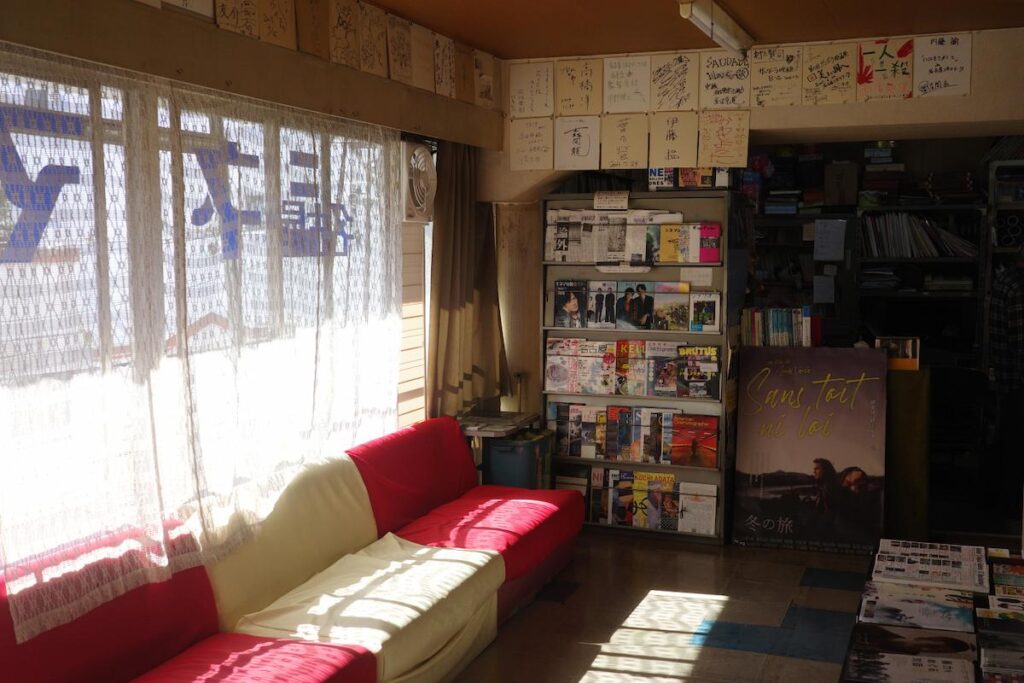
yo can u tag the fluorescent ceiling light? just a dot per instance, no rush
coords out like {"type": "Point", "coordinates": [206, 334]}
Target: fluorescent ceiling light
{"type": "Point", "coordinates": [716, 24]}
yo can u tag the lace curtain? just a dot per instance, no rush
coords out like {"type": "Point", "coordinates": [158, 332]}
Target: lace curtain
{"type": "Point", "coordinates": [198, 295]}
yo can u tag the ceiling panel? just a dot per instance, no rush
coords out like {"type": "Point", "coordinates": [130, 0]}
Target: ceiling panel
{"type": "Point", "coordinates": [558, 28]}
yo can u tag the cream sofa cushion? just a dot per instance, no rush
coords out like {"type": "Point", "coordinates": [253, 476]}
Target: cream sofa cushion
{"type": "Point", "coordinates": [403, 601]}
{"type": "Point", "coordinates": [323, 514]}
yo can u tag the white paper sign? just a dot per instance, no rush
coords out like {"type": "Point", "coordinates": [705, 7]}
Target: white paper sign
{"type": "Point", "coordinates": [578, 143]}
{"type": "Point", "coordinates": [673, 139]}
{"type": "Point", "coordinates": [675, 81]}
{"type": "Point", "coordinates": [724, 81]}
{"type": "Point", "coordinates": [942, 65]}
{"type": "Point", "coordinates": [444, 65]}
{"type": "Point", "coordinates": [422, 57]}
{"type": "Point", "coordinates": [611, 200]}
{"type": "Point", "coordinates": [579, 84]}
{"type": "Point", "coordinates": [530, 144]}
{"type": "Point", "coordinates": [530, 89]}
{"type": "Point", "coordinates": [775, 76]}
{"type": "Point", "coordinates": [627, 84]}
{"type": "Point", "coordinates": [624, 141]}
{"type": "Point", "coordinates": [830, 74]}
{"type": "Point", "coordinates": [723, 137]}
{"type": "Point", "coordinates": [829, 238]}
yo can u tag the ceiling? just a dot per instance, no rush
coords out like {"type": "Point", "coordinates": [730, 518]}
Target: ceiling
{"type": "Point", "coordinates": [556, 28]}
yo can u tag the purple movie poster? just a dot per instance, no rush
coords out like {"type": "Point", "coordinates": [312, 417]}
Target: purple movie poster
{"type": "Point", "coordinates": [810, 458]}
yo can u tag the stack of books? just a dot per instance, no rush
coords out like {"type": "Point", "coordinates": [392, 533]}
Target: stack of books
{"type": "Point", "coordinates": [1001, 620]}
{"type": "Point", "coordinates": [779, 327]}
{"type": "Point", "coordinates": [884, 179]}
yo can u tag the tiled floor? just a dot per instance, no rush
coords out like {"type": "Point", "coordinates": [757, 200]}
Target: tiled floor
{"type": "Point", "coordinates": [651, 611]}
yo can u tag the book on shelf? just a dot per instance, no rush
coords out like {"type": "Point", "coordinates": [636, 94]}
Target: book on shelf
{"type": "Point", "coordinates": [698, 369]}
{"type": "Point", "coordinates": [661, 359]}
{"type": "Point", "coordinates": [914, 641]}
{"type": "Point", "coordinates": [705, 312]}
{"type": "Point", "coordinates": [570, 304]}
{"type": "Point", "coordinates": [671, 306]}
{"type": "Point", "coordinates": [777, 326]}
{"type": "Point", "coordinates": [917, 606]}
{"type": "Point", "coordinates": [698, 508]}
{"type": "Point", "coordinates": [618, 433]}
{"type": "Point", "coordinates": [865, 666]}
{"type": "Point", "coordinates": [601, 304]}
{"type": "Point", "coordinates": [903, 235]}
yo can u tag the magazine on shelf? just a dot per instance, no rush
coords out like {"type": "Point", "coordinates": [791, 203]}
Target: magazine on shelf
{"type": "Point", "coordinates": [652, 247]}
{"type": "Point", "coordinates": [556, 237]}
{"type": "Point", "coordinates": [661, 431]}
{"type": "Point", "coordinates": [561, 374]}
{"type": "Point", "coordinates": [575, 429]}
{"type": "Point", "coordinates": [630, 367]}
{"type": "Point", "coordinates": [569, 304]}
{"type": "Point", "coordinates": [1008, 662]}
{"type": "Point", "coordinates": [695, 440]}
{"type": "Point", "coordinates": [864, 666]}
{"type": "Point", "coordinates": [914, 641]}
{"type": "Point", "coordinates": [636, 244]}
{"type": "Point", "coordinates": [1006, 590]}
{"type": "Point", "coordinates": [610, 244]}
{"type": "Point", "coordinates": [588, 431]}
{"type": "Point", "coordinates": [619, 433]}
{"type": "Point", "coordinates": [698, 372]}
{"type": "Point", "coordinates": [669, 510]}
{"type": "Point", "coordinates": [620, 508]}
{"type": "Point", "coordinates": [705, 312]}
{"type": "Point", "coordinates": [1008, 574]}
{"type": "Point", "coordinates": [601, 296]}
{"type": "Point", "coordinates": [641, 433]}
{"type": "Point", "coordinates": [698, 505]}
{"type": "Point", "coordinates": [596, 375]}
{"type": "Point", "coordinates": [710, 249]}
{"type": "Point", "coordinates": [647, 492]}
{"type": "Point", "coordinates": [917, 606]}
{"type": "Point", "coordinates": [562, 346]}
{"type": "Point", "coordinates": [634, 305]}
{"type": "Point", "coordinates": [671, 306]}
{"type": "Point", "coordinates": [661, 367]}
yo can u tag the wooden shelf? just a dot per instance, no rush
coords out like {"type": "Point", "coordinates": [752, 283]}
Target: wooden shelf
{"type": "Point", "coordinates": [916, 296]}
{"type": "Point", "coordinates": [923, 261]}
{"type": "Point", "coordinates": [798, 245]}
{"type": "Point", "coordinates": [569, 459]}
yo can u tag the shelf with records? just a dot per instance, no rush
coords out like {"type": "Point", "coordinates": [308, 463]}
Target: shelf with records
{"type": "Point", "coordinates": [635, 346]}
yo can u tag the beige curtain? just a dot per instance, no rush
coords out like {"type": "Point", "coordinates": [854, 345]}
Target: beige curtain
{"type": "Point", "coordinates": [466, 364]}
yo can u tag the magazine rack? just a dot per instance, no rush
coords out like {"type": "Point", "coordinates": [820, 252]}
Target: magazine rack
{"type": "Point", "coordinates": [696, 206]}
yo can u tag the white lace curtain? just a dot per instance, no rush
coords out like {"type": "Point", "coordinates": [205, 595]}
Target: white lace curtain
{"type": "Point", "coordinates": [198, 295]}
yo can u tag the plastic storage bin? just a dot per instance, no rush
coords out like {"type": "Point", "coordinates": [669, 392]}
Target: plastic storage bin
{"type": "Point", "coordinates": [522, 460]}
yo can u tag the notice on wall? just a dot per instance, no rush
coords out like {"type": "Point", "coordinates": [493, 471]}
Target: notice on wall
{"type": "Point", "coordinates": [579, 87]}
{"type": "Point", "coordinates": [203, 7]}
{"type": "Point", "coordinates": [444, 65]}
{"type": "Point", "coordinates": [578, 143]}
{"type": "Point", "coordinates": [465, 80]}
{"type": "Point", "coordinates": [775, 76]}
{"type": "Point", "coordinates": [829, 239]}
{"type": "Point", "coordinates": [530, 89]}
{"type": "Point", "coordinates": [239, 16]}
{"type": "Point", "coordinates": [373, 40]}
{"type": "Point", "coordinates": [530, 144]}
{"type": "Point", "coordinates": [942, 65]}
{"type": "Point", "coordinates": [885, 69]}
{"type": "Point", "coordinates": [723, 138]}
{"type": "Point", "coordinates": [673, 139]}
{"type": "Point", "coordinates": [627, 84]}
{"type": "Point", "coordinates": [675, 81]}
{"type": "Point", "coordinates": [724, 81]}
{"type": "Point", "coordinates": [422, 57]}
{"type": "Point", "coordinates": [483, 79]}
{"type": "Point", "coordinates": [810, 448]}
{"type": "Point", "coordinates": [624, 141]}
{"type": "Point", "coordinates": [829, 74]}
{"type": "Point", "coordinates": [400, 49]}
{"type": "Point", "coordinates": [344, 34]}
{"type": "Point", "coordinates": [277, 22]}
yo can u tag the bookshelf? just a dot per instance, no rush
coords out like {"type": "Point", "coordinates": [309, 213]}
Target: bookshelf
{"type": "Point", "coordinates": [1005, 232]}
{"type": "Point", "coordinates": [904, 290]}
{"type": "Point", "coordinates": [696, 206]}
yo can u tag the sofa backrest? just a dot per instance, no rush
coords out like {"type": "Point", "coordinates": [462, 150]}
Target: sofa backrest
{"type": "Point", "coordinates": [412, 471]}
{"type": "Point", "coordinates": [323, 514]}
{"type": "Point", "coordinates": [118, 640]}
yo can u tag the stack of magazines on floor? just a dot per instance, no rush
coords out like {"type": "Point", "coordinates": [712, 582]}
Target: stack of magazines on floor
{"type": "Point", "coordinates": [917, 617]}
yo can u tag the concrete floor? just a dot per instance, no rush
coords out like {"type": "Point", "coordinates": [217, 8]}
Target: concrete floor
{"type": "Point", "coordinates": [635, 608]}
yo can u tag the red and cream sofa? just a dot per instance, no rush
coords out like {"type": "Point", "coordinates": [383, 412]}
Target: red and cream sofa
{"type": "Point", "coordinates": [388, 564]}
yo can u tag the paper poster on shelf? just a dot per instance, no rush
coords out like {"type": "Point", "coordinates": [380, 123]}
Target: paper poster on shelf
{"type": "Point", "coordinates": [530, 144]}
{"type": "Point", "coordinates": [723, 138]}
{"type": "Point", "coordinates": [579, 84]}
{"type": "Point", "coordinates": [627, 84]}
{"type": "Point", "coordinates": [673, 139]}
{"type": "Point", "coordinates": [675, 81]}
{"type": "Point", "coordinates": [775, 76]}
{"type": "Point", "coordinates": [942, 65]}
{"type": "Point", "coordinates": [400, 49]}
{"type": "Point", "coordinates": [344, 34]}
{"type": "Point", "coordinates": [829, 239]}
{"type": "Point", "coordinates": [824, 289]}
{"type": "Point", "coordinates": [810, 448]}
{"type": "Point", "coordinates": [530, 89]}
{"type": "Point", "coordinates": [724, 81]}
{"type": "Point", "coordinates": [373, 40]}
{"type": "Point", "coordinates": [422, 40]}
{"type": "Point", "coordinates": [885, 69]}
{"type": "Point", "coordinates": [829, 74]}
{"type": "Point", "coordinates": [624, 141]}
{"type": "Point", "coordinates": [444, 65]}
{"type": "Point", "coordinates": [578, 143]}
{"type": "Point", "coordinates": [483, 79]}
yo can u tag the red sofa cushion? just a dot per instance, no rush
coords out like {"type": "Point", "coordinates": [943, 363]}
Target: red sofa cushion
{"type": "Point", "coordinates": [412, 471]}
{"type": "Point", "coordinates": [119, 639]}
{"type": "Point", "coordinates": [524, 525]}
{"type": "Point", "coordinates": [239, 658]}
